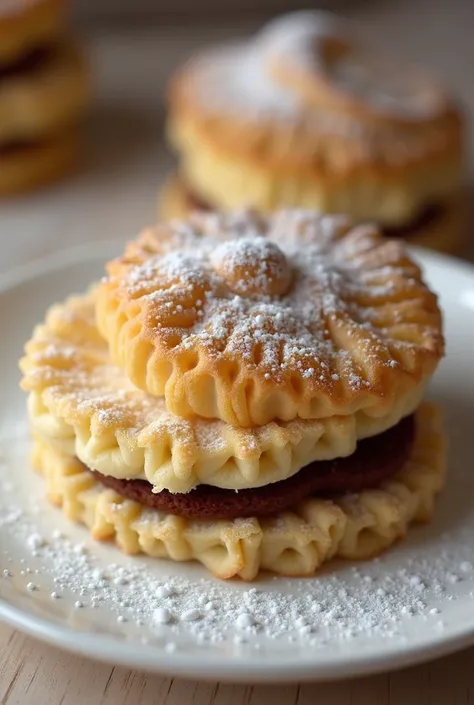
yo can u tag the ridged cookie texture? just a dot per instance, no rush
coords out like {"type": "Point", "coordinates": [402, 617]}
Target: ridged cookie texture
{"type": "Point", "coordinates": [293, 543]}
{"type": "Point", "coordinates": [82, 404]}
{"type": "Point", "coordinates": [251, 318]}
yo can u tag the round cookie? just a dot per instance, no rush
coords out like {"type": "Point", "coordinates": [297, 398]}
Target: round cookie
{"type": "Point", "coordinates": [307, 114]}
{"type": "Point", "coordinates": [47, 94]}
{"type": "Point", "coordinates": [84, 405]}
{"type": "Point", "coordinates": [291, 543]}
{"type": "Point", "coordinates": [26, 167]}
{"type": "Point", "coordinates": [27, 24]}
{"type": "Point", "coordinates": [250, 318]}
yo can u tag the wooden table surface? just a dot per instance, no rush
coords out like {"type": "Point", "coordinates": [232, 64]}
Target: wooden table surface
{"type": "Point", "coordinates": [33, 674]}
{"type": "Point", "coordinates": [124, 161]}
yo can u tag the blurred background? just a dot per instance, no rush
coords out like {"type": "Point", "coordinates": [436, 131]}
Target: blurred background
{"type": "Point", "coordinates": [133, 45]}
{"type": "Point", "coordinates": [187, 10]}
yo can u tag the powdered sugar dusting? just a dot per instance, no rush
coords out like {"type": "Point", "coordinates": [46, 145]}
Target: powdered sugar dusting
{"type": "Point", "coordinates": [252, 265]}
{"type": "Point", "coordinates": [276, 294]}
{"type": "Point", "coordinates": [304, 40]}
{"type": "Point", "coordinates": [117, 420]}
{"type": "Point", "coordinates": [362, 602]}
{"type": "Point", "coordinates": [243, 81]}
{"type": "Point", "coordinates": [171, 606]}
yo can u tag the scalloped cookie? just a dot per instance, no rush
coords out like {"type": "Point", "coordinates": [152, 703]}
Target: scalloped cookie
{"type": "Point", "coordinates": [250, 318]}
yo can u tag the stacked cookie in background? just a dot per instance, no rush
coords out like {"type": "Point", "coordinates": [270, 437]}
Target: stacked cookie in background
{"type": "Point", "coordinates": [44, 89]}
{"type": "Point", "coordinates": [308, 114]}
{"type": "Point", "coordinates": [246, 391]}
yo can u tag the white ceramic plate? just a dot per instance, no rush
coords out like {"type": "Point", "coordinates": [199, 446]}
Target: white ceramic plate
{"type": "Point", "coordinates": [415, 603]}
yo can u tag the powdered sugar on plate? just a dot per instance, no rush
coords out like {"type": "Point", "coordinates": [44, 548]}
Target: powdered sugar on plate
{"type": "Point", "coordinates": [353, 602]}
{"type": "Point", "coordinates": [432, 553]}
{"type": "Point", "coordinates": [50, 567]}
{"type": "Point", "coordinates": [175, 607]}
{"type": "Point", "coordinates": [283, 296]}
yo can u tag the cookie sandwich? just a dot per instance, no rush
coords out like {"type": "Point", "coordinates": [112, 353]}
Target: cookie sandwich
{"type": "Point", "coordinates": [245, 390]}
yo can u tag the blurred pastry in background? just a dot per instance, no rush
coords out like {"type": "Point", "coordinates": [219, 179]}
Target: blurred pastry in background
{"type": "Point", "coordinates": [28, 24]}
{"type": "Point", "coordinates": [24, 167]}
{"type": "Point", "coordinates": [44, 90]}
{"type": "Point", "coordinates": [307, 114]}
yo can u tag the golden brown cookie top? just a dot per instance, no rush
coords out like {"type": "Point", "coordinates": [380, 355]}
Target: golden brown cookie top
{"type": "Point", "coordinates": [326, 62]}
{"type": "Point", "coordinates": [314, 59]}
{"type": "Point", "coordinates": [251, 318]}
{"type": "Point", "coordinates": [308, 88]}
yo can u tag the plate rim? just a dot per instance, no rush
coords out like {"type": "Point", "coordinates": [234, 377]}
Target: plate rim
{"type": "Point", "coordinates": [115, 651]}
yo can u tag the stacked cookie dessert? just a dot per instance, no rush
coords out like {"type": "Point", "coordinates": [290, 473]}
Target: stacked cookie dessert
{"type": "Point", "coordinates": [308, 114]}
{"type": "Point", "coordinates": [245, 390]}
{"type": "Point", "coordinates": [44, 88]}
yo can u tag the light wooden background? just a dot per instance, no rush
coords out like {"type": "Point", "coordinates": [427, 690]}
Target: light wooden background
{"type": "Point", "coordinates": [119, 178]}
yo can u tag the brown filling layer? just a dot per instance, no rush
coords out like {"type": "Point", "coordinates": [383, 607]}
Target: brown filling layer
{"type": "Point", "coordinates": [32, 61]}
{"type": "Point", "coordinates": [424, 219]}
{"type": "Point", "coordinates": [375, 459]}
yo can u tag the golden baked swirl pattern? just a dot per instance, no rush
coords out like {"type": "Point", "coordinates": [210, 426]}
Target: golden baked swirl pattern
{"type": "Point", "coordinates": [249, 318]}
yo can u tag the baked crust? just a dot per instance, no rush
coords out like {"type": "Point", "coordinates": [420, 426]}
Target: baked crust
{"type": "Point", "coordinates": [293, 543]}
{"type": "Point", "coordinates": [250, 318]}
{"type": "Point", "coordinates": [286, 119]}
{"type": "Point", "coordinates": [81, 404]}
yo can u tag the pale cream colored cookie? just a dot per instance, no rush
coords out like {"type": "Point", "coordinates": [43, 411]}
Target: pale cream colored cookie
{"type": "Point", "coordinates": [293, 543]}
{"type": "Point", "coordinates": [81, 404]}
